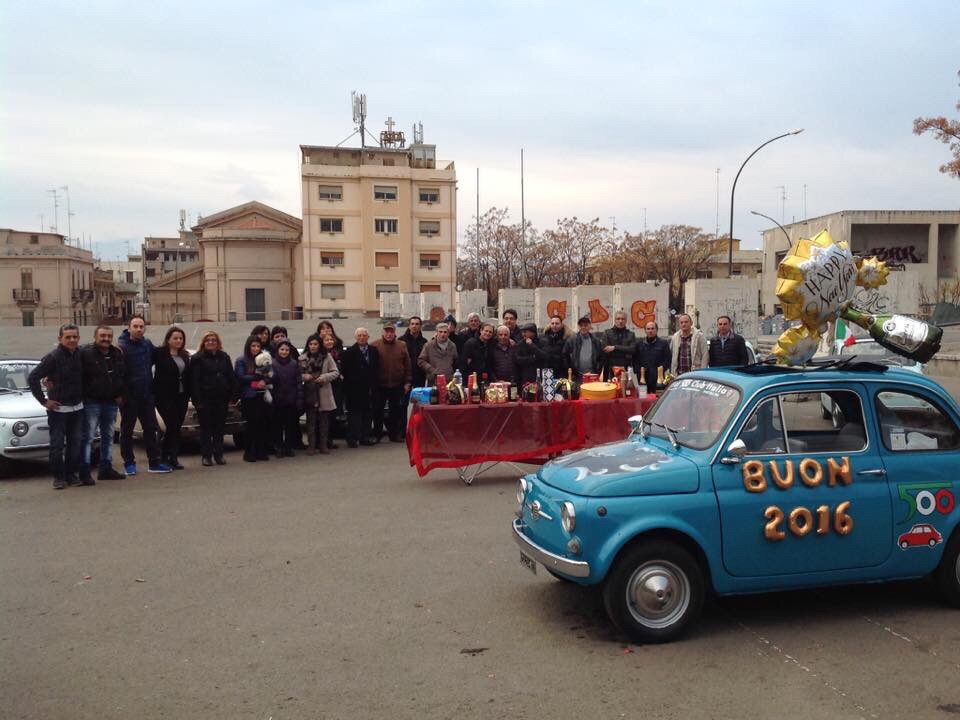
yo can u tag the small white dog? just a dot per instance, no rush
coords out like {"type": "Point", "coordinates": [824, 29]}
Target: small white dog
{"type": "Point", "coordinates": [264, 365]}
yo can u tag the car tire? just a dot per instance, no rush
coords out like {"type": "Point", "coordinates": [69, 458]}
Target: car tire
{"type": "Point", "coordinates": [654, 591]}
{"type": "Point", "coordinates": [948, 572]}
{"type": "Point", "coordinates": [932, 543]}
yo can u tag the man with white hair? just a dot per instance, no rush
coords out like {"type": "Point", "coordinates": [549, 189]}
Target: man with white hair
{"type": "Point", "coordinates": [472, 329]}
{"type": "Point", "coordinates": [360, 369]}
{"type": "Point", "coordinates": [439, 356]}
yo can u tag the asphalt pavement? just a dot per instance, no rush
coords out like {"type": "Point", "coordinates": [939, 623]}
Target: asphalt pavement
{"type": "Point", "coordinates": [348, 587]}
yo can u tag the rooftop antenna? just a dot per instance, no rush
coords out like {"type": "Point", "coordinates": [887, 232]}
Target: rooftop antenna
{"type": "Point", "coordinates": [66, 190]}
{"type": "Point", "coordinates": [56, 214]}
{"type": "Point", "coordinates": [359, 101]}
{"type": "Point", "coordinates": [183, 220]}
{"type": "Point", "coordinates": [418, 133]}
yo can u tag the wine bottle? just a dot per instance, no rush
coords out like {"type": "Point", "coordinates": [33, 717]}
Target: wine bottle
{"type": "Point", "coordinates": [914, 339]}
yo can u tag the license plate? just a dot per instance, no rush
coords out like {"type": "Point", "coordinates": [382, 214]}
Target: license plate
{"type": "Point", "coordinates": [529, 563]}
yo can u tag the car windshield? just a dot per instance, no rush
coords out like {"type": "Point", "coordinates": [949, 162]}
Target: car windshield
{"type": "Point", "coordinates": [876, 352]}
{"type": "Point", "coordinates": [695, 410]}
{"type": "Point", "coordinates": [13, 375]}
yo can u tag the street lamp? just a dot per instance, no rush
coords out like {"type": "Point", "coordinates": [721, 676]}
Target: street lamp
{"type": "Point", "coordinates": [176, 284]}
{"type": "Point", "coordinates": [734, 190]}
{"type": "Point", "coordinates": [785, 233]}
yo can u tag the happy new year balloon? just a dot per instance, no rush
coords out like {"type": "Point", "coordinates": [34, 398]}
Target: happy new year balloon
{"type": "Point", "coordinates": [815, 279]}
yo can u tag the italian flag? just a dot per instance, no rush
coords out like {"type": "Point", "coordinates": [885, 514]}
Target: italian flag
{"type": "Point", "coordinates": [843, 333]}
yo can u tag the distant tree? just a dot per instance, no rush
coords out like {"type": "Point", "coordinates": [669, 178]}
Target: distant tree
{"type": "Point", "coordinates": [947, 132]}
{"type": "Point", "coordinates": [671, 254]}
{"type": "Point", "coordinates": [574, 245]}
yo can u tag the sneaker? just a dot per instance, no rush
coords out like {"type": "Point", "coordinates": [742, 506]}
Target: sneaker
{"type": "Point", "coordinates": [159, 467]}
{"type": "Point", "coordinates": [130, 469]}
{"type": "Point", "coordinates": [87, 480]}
{"type": "Point", "coordinates": [59, 484]}
{"type": "Point", "coordinates": [73, 481]}
{"type": "Point", "coordinates": [109, 474]}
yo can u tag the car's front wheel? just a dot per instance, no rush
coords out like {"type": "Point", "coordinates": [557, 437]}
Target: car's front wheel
{"type": "Point", "coordinates": [654, 591]}
{"type": "Point", "coordinates": [948, 573]}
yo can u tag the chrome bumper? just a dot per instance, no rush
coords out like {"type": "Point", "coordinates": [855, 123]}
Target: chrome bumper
{"type": "Point", "coordinates": [565, 566]}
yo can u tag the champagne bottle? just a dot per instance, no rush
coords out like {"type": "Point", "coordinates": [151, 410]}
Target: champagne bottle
{"type": "Point", "coordinates": [903, 335]}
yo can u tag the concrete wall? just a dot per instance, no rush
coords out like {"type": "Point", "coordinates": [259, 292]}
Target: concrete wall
{"type": "Point", "coordinates": [390, 305]}
{"type": "Point", "coordinates": [640, 301]}
{"type": "Point", "coordinates": [518, 299]}
{"type": "Point", "coordinates": [550, 300]}
{"type": "Point", "coordinates": [434, 306]}
{"type": "Point", "coordinates": [598, 302]}
{"type": "Point", "coordinates": [901, 294]}
{"type": "Point", "coordinates": [706, 300]}
{"type": "Point", "coordinates": [409, 304]}
{"type": "Point", "coordinates": [470, 301]}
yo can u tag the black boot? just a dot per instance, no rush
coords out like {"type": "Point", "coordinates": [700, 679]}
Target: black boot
{"type": "Point", "coordinates": [219, 460]}
{"type": "Point", "coordinates": [173, 462]}
{"type": "Point", "coordinates": [206, 462]}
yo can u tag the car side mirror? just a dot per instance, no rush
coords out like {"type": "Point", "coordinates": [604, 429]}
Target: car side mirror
{"type": "Point", "coordinates": [636, 424]}
{"type": "Point", "coordinates": [735, 450]}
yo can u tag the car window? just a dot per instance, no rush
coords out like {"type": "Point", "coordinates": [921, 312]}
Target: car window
{"type": "Point", "coordinates": [13, 376]}
{"type": "Point", "coordinates": [822, 422]}
{"type": "Point", "coordinates": [763, 431]}
{"type": "Point", "coordinates": [909, 422]}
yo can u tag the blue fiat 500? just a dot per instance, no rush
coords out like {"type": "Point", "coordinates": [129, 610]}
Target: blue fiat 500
{"type": "Point", "coordinates": [737, 481]}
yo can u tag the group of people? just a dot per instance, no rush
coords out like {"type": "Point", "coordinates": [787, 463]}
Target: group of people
{"type": "Point", "coordinates": [368, 383]}
{"type": "Point", "coordinates": [513, 353]}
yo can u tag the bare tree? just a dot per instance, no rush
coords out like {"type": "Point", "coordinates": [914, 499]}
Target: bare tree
{"type": "Point", "coordinates": [947, 132]}
{"type": "Point", "coordinates": [673, 254]}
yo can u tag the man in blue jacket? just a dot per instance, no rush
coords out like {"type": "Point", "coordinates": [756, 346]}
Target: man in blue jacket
{"type": "Point", "coordinates": [138, 402]}
{"type": "Point", "coordinates": [61, 372]}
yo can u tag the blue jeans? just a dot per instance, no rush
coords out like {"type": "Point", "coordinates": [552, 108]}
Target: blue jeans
{"type": "Point", "coordinates": [66, 443]}
{"type": "Point", "coordinates": [102, 416]}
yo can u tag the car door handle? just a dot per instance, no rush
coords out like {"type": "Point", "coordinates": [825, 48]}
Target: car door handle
{"type": "Point", "coordinates": [879, 472]}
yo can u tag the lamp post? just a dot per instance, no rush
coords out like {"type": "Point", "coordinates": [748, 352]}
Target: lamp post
{"type": "Point", "coordinates": [785, 233]}
{"type": "Point", "coordinates": [734, 190]}
{"type": "Point", "coordinates": [176, 285]}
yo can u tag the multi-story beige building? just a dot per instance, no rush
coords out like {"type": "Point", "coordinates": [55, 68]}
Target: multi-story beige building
{"type": "Point", "coordinates": [44, 280]}
{"type": "Point", "coordinates": [746, 263]}
{"type": "Point", "coordinates": [127, 282]}
{"type": "Point", "coordinates": [248, 269]}
{"type": "Point", "coordinates": [162, 255]}
{"type": "Point", "coordinates": [375, 220]}
{"type": "Point", "coordinates": [925, 241]}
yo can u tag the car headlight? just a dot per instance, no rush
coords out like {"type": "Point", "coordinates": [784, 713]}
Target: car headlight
{"type": "Point", "coordinates": [20, 428]}
{"type": "Point", "coordinates": [522, 490]}
{"type": "Point", "coordinates": [568, 516]}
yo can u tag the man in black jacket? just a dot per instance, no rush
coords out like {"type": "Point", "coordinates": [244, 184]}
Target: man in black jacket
{"type": "Point", "coordinates": [61, 372]}
{"type": "Point", "coordinates": [361, 365]}
{"type": "Point", "coordinates": [618, 344]}
{"type": "Point", "coordinates": [727, 348]}
{"type": "Point", "coordinates": [529, 355]}
{"type": "Point", "coordinates": [552, 343]}
{"type": "Point", "coordinates": [475, 356]}
{"type": "Point", "coordinates": [651, 354]}
{"type": "Point", "coordinates": [414, 340]}
{"type": "Point", "coordinates": [103, 378]}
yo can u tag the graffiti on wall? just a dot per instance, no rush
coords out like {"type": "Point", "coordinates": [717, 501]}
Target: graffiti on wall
{"type": "Point", "coordinates": [900, 254]}
{"type": "Point", "coordinates": [557, 307]}
{"type": "Point", "coordinates": [598, 313]}
{"type": "Point", "coordinates": [642, 312]}
{"type": "Point", "coordinates": [437, 313]}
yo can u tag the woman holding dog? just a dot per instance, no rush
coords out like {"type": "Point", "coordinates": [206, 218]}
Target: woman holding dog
{"type": "Point", "coordinates": [253, 407]}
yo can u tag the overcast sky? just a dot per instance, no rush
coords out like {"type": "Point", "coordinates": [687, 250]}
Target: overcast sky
{"type": "Point", "coordinates": [624, 110]}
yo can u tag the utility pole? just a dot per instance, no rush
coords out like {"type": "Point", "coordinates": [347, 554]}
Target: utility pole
{"type": "Point", "coordinates": [805, 216]}
{"type": "Point", "coordinates": [716, 232]}
{"type": "Point", "coordinates": [523, 219]}
{"type": "Point", "coordinates": [477, 283]}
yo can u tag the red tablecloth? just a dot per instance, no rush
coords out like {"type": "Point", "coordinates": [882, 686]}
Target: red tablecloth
{"type": "Point", "coordinates": [452, 436]}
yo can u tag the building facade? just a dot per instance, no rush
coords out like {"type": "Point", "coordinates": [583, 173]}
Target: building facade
{"type": "Point", "coordinates": [926, 242]}
{"type": "Point", "coordinates": [44, 280]}
{"type": "Point", "coordinates": [248, 269]}
{"type": "Point", "coordinates": [162, 255]}
{"type": "Point", "coordinates": [375, 220]}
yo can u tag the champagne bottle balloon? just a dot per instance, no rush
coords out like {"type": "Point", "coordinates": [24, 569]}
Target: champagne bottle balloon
{"type": "Point", "coordinates": [914, 339]}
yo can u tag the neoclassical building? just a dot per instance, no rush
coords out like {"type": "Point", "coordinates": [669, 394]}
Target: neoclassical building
{"type": "Point", "coordinates": [248, 269]}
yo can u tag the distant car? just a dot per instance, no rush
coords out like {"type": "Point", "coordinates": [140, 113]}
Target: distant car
{"type": "Point", "coordinates": [920, 536]}
{"type": "Point", "coordinates": [24, 433]}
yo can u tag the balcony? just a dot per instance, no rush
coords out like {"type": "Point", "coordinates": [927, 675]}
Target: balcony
{"type": "Point", "coordinates": [82, 295]}
{"type": "Point", "coordinates": [26, 296]}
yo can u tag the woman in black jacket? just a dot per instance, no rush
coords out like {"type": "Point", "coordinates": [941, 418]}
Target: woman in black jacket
{"type": "Point", "coordinates": [213, 384]}
{"type": "Point", "coordinates": [171, 388]}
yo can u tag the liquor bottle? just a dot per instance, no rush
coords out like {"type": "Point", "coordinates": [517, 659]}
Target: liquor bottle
{"type": "Point", "coordinates": [903, 335]}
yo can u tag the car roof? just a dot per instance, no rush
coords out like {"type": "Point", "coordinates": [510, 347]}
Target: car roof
{"type": "Point", "coordinates": [753, 377]}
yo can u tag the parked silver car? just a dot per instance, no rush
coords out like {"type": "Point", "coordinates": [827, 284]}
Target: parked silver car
{"type": "Point", "coordinates": [24, 433]}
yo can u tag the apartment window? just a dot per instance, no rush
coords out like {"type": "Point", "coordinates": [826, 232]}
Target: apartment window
{"type": "Point", "coordinates": [385, 225]}
{"type": "Point", "coordinates": [429, 195]}
{"type": "Point", "coordinates": [151, 272]}
{"type": "Point", "coordinates": [26, 280]}
{"type": "Point", "coordinates": [704, 274]}
{"type": "Point", "coordinates": [130, 277]}
{"type": "Point", "coordinates": [429, 260]}
{"type": "Point", "coordinates": [163, 243]}
{"type": "Point", "coordinates": [34, 240]}
{"type": "Point", "coordinates": [388, 162]}
{"type": "Point", "coordinates": [333, 291]}
{"type": "Point", "coordinates": [429, 227]}
{"type": "Point", "coordinates": [384, 192]}
{"type": "Point", "coordinates": [386, 259]}
{"type": "Point", "coordinates": [331, 258]}
{"type": "Point", "coordinates": [27, 318]}
{"type": "Point", "coordinates": [331, 225]}
{"type": "Point", "coordinates": [331, 192]}
{"type": "Point", "coordinates": [429, 287]}
{"type": "Point", "coordinates": [384, 288]}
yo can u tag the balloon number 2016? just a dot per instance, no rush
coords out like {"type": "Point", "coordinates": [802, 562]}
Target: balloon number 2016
{"type": "Point", "coordinates": [802, 521]}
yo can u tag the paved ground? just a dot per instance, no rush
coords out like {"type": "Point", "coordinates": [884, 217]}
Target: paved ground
{"type": "Point", "coordinates": [350, 588]}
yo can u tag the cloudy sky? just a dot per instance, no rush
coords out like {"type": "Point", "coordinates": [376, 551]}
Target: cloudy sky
{"type": "Point", "coordinates": [624, 109]}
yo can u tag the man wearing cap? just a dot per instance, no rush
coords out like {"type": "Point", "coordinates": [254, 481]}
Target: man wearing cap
{"type": "Point", "coordinates": [455, 337]}
{"type": "Point", "coordinates": [393, 383]}
{"type": "Point", "coordinates": [529, 355]}
{"type": "Point", "coordinates": [583, 352]}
